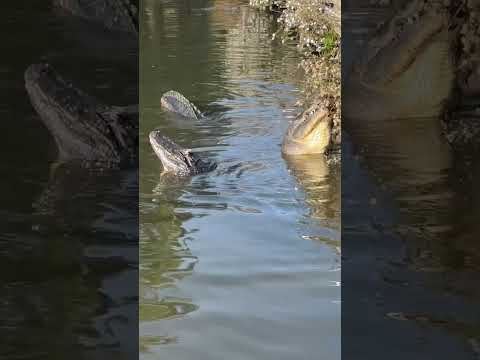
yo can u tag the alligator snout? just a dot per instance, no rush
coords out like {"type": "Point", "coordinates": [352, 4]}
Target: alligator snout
{"type": "Point", "coordinates": [175, 159]}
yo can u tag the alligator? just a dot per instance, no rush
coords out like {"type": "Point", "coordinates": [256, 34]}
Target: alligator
{"type": "Point", "coordinates": [314, 132]}
{"type": "Point", "coordinates": [175, 102]}
{"type": "Point", "coordinates": [412, 67]}
{"type": "Point", "coordinates": [406, 69]}
{"type": "Point", "coordinates": [83, 128]}
{"type": "Point", "coordinates": [177, 160]}
{"type": "Point", "coordinates": [113, 14]}
{"type": "Point", "coordinates": [87, 133]}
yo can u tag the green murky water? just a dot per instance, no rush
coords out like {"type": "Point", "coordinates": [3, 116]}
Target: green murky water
{"type": "Point", "coordinates": [68, 237]}
{"type": "Point", "coordinates": [410, 254]}
{"type": "Point", "coordinates": [242, 262]}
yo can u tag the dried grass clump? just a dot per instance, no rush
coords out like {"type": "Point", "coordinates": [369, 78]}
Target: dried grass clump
{"type": "Point", "coordinates": [269, 5]}
{"type": "Point", "coordinates": [313, 23]}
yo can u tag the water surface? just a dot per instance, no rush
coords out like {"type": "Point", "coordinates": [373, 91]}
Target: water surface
{"type": "Point", "coordinates": [68, 234]}
{"type": "Point", "coordinates": [241, 262]}
{"type": "Point", "coordinates": [409, 232]}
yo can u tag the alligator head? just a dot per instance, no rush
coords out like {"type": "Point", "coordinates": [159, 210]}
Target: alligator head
{"type": "Point", "coordinates": [83, 128]}
{"type": "Point", "coordinates": [175, 159]}
{"type": "Point", "coordinates": [114, 14]}
{"type": "Point", "coordinates": [312, 133]}
{"type": "Point", "coordinates": [177, 103]}
{"type": "Point", "coordinates": [407, 68]}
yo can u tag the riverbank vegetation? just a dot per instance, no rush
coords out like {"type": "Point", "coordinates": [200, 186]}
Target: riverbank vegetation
{"type": "Point", "coordinates": [315, 26]}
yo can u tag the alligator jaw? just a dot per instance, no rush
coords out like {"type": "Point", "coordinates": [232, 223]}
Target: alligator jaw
{"type": "Point", "coordinates": [309, 134]}
{"type": "Point", "coordinates": [83, 128]}
{"type": "Point", "coordinates": [175, 159]}
{"type": "Point", "coordinates": [404, 73]}
{"type": "Point", "coordinates": [385, 68]}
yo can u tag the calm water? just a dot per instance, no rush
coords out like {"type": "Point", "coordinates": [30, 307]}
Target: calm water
{"type": "Point", "coordinates": [410, 234]}
{"type": "Point", "coordinates": [243, 262]}
{"type": "Point", "coordinates": [68, 237]}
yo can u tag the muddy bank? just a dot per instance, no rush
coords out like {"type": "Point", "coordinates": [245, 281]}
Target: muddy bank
{"type": "Point", "coordinates": [315, 25]}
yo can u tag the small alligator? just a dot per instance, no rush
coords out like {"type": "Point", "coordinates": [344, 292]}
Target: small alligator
{"type": "Point", "coordinates": [177, 103]}
{"type": "Point", "coordinates": [175, 159]}
{"type": "Point", "coordinates": [83, 128]}
{"type": "Point", "coordinates": [114, 14]}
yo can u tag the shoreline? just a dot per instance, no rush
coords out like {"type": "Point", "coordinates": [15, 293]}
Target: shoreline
{"type": "Point", "coordinates": [315, 26]}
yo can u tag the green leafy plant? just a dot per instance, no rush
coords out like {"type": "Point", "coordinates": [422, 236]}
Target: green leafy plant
{"type": "Point", "coordinates": [330, 43]}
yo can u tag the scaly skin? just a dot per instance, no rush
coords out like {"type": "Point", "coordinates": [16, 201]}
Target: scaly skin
{"type": "Point", "coordinates": [407, 68]}
{"type": "Point", "coordinates": [83, 128]}
{"type": "Point", "coordinates": [113, 14]}
{"type": "Point", "coordinates": [423, 62]}
{"type": "Point", "coordinates": [312, 132]}
{"type": "Point", "coordinates": [175, 102]}
{"type": "Point", "coordinates": [175, 159]}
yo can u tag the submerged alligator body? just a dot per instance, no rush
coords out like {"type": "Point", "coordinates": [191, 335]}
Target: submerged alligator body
{"type": "Point", "coordinates": [83, 128]}
{"type": "Point", "coordinates": [175, 102]}
{"type": "Point", "coordinates": [175, 159]}
{"type": "Point", "coordinates": [113, 14]}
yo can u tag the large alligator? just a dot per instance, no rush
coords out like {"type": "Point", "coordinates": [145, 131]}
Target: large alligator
{"type": "Point", "coordinates": [405, 70]}
{"type": "Point", "coordinates": [314, 132]}
{"type": "Point", "coordinates": [83, 128]}
{"type": "Point", "coordinates": [113, 14]}
{"type": "Point", "coordinates": [419, 63]}
{"type": "Point", "coordinates": [78, 198]}
{"type": "Point", "coordinates": [175, 159]}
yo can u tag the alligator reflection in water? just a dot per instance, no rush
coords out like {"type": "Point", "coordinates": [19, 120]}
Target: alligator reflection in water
{"type": "Point", "coordinates": [416, 214]}
{"type": "Point", "coordinates": [85, 239]}
{"type": "Point", "coordinates": [427, 248]}
{"type": "Point", "coordinates": [161, 270]}
{"type": "Point", "coordinates": [71, 269]}
{"type": "Point", "coordinates": [320, 180]}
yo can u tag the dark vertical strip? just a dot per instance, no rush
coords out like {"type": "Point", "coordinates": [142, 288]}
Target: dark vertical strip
{"type": "Point", "coordinates": [69, 224]}
{"type": "Point", "coordinates": [410, 208]}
